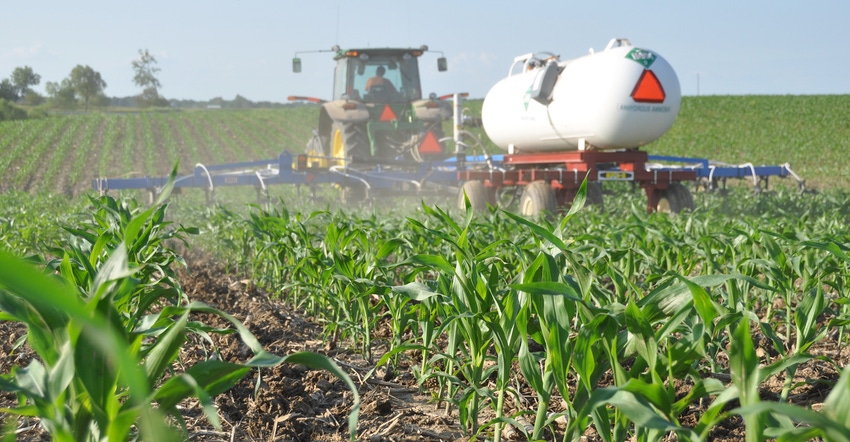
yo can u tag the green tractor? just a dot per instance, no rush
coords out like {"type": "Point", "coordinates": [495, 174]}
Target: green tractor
{"type": "Point", "coordinates": [378, 114]}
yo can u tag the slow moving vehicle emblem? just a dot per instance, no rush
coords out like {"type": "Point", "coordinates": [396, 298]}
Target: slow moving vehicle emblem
{"type": "Point", "coordinates": [648, 89]}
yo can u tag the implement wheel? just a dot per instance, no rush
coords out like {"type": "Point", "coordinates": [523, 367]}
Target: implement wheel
{"type": "Point", "coordinates": [477, 195]}
{"type": "Point", "coordinates": [675, 199]}
{"type": "Point", "coordinates": [537, 197]}
{"type": "Point", "coordinates": [349, 142]}
{"type": "Point", "coordinates": [353, 194]}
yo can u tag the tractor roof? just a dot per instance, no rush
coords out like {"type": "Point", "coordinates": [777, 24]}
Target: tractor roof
{"type": "Point", "coordinates": [356, 52]}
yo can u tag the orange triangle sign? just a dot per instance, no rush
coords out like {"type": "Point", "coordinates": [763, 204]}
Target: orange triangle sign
{"type": "Point", "coordinates": [430, 145]}
{"type": "Point", "coordinates": [387, 114]}
{"type": "Point", "coordinates": [648, 89]}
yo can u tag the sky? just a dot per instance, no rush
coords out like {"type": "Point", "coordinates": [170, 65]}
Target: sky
{"type": "Point", "coordinates": [216, 48]}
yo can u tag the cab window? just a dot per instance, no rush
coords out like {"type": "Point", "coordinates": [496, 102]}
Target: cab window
{"type": "Point", "coordinates": [402, 74]}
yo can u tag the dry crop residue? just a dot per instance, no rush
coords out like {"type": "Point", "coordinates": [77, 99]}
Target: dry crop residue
{"type": "Point", "coordinates": [295, 403]}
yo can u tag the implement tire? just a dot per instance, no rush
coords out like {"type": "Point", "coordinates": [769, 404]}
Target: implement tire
{"type": "Point", "coordinates": [675, 199]}
{"type": "Point", "coordinates": [477, 195]}
{"type": "Point", "coordinates": [537, 198]}
{"type": "Point", "coordinates": [354, 194]}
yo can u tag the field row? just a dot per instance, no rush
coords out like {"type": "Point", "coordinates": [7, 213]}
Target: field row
{"type": "Point", "coordinates": [731, 319]}
{"type": "Point", "coordinates": [62, 154]}
{"type": "Point", "coordinates": [727, 321]}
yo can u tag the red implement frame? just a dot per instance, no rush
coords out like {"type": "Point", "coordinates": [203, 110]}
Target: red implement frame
{"type": "Point", "coordinates": [565, 171]}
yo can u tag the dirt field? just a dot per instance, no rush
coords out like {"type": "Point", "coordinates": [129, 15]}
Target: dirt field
{"type": "Point", "coordinates": [293, 403]}
{"type": "Point", "coordinates": [297, 404]}
{"type": "Point", "coordinates": [289, 403]}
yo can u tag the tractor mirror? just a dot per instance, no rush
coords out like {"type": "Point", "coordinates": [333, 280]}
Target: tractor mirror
{"type": "Point", "coordinates": [442, 65]}
{"type": "Point", "coordinates": [296, 65]}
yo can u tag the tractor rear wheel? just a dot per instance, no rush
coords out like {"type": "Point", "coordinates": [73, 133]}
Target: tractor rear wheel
{"type": "Point", "coordinates": [349, 142]}
{"type": "Point", "coordinates": [537, 197]}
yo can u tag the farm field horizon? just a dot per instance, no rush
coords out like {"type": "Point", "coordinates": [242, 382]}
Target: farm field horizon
{"type": "Point", "coordinates": [65, 153]}
{"type": "Point", "coordinates": [725, 323]}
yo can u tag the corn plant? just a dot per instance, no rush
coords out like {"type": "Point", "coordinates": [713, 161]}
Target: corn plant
{"type": "Point", "coordinates": [356, 277]}
{"type": "Point", "coordinates": [469, 299]}
{"type": "Point", "coordinates": [624, 307]}
{"type": "Point", "coordinates": [107, 327]}
{"type": "Point", "coordinates": [832, 424]}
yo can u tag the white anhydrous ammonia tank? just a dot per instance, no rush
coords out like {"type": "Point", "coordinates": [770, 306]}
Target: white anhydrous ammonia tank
{"type": "Point", "coordinates": [622, 97]}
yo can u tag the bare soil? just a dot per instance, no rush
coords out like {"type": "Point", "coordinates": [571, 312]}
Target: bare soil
{"type": "Point", "coordinates": [295, 403]}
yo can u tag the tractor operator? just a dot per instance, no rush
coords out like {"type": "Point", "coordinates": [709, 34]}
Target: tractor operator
{"type": "Point", "coordinates": [378, 81]}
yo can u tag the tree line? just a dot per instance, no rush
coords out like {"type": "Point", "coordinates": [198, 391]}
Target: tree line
{"type": "Point", "coordinates": [84, 87]}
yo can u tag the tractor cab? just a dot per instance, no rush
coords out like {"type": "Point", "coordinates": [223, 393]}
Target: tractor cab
{"type": "Point", "coordinates": [377, 75]}
{"type": "Point", "coordinates": [377, 114]}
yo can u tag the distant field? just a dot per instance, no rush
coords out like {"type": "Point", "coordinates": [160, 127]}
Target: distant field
{"type": "Point", "coordinates": [63, 154]}
{"type": "Point", "coordinates": [812, 133]}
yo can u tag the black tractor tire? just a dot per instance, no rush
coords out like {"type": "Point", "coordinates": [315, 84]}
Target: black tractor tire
{"type": "Point", "coordinates": [537, 198]}
{"type": "Point", "coordinates": [350, 141]}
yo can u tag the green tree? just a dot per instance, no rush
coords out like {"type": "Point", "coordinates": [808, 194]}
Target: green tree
{"type": "Point", "coordinates": [87, 83]}
{"type": "Point", "coordinates": [241, 102]}
{"type": "Point", "coordinates": [145, 77]}
{"type": "Point", "coordinates": [23, 78]}
{"type": "Point", "coordinates": [7, 91]}
{"type": "Point", "coordinates": [32, 98]}
{"type": "Point", "coordinates": [145, 70]}
{"type": "Point", "coordinates": [100, 101]}
{"type": "Point", "coordinates": [9, 111]}
{"type": "Point", "coordinates": [62, 95]}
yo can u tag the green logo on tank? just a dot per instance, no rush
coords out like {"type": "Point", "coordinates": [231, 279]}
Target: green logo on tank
{"type": "Point", "coordinates": [642, 56]}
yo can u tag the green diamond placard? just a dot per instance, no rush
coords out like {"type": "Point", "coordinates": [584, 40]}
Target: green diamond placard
{"type": "Point", "coordinates": [642, 56]}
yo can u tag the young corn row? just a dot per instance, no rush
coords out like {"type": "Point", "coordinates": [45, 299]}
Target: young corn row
{"type": "Point", "coordinates": [806, 131]}
{"type": "Point", "coordinates": [597, 320]}
{"type": "Point", "coordinates": [16, 141]}
{"type": "Point", "coordinates": [140, 143]}
{"type": "Point", "coordinates": [107, 318]}
{"type": "Point", "coordinates": [107, 142]}
{"type": "Point", "coordinates": [607, 313]}
{"type": "Point", "coordinates": [126, 148]}
{"type": "Point", "coordinates": [85, 159]}
{"type": "Point", "coordinates": [29, 161]}
{"type": "Point", "coordinates": [64, 149]}
{"type": "Point", "coordinates": [148, 148]}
